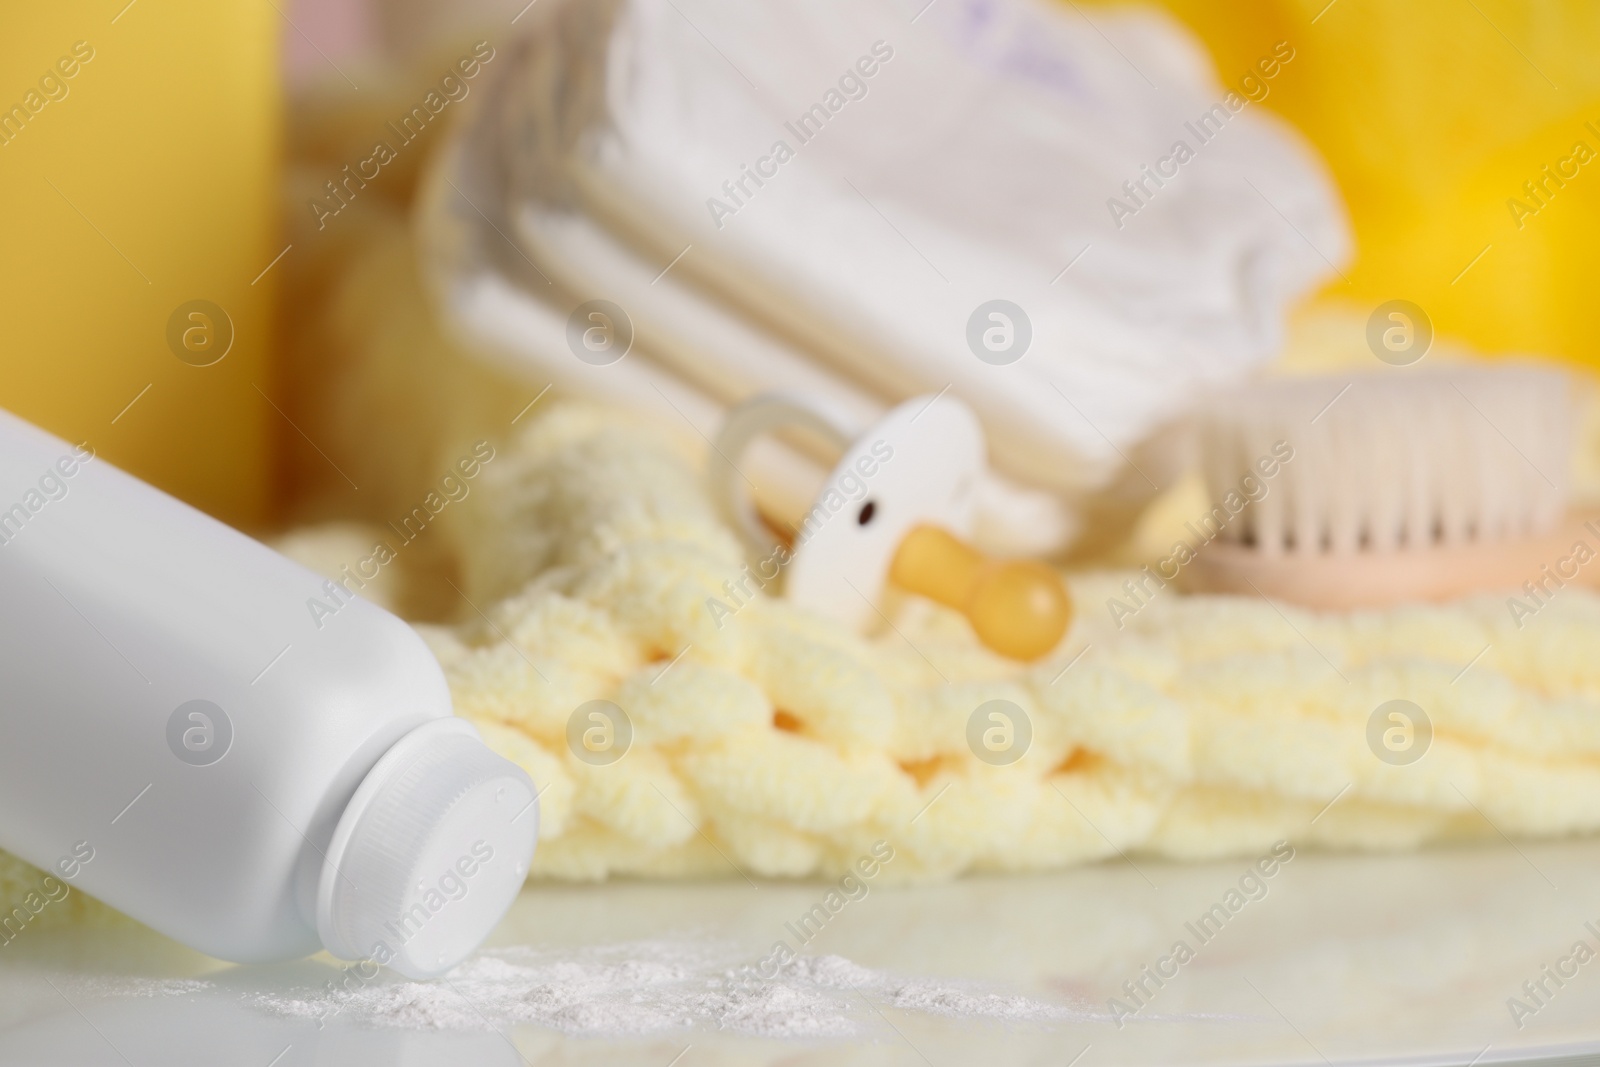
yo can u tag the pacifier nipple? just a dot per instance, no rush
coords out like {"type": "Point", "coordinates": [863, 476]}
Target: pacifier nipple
{"type": "Point", "coordinates": [1019, 608]}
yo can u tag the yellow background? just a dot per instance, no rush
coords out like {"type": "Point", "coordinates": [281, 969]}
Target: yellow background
{"type": "Point", "coordinates": [1431, 115]}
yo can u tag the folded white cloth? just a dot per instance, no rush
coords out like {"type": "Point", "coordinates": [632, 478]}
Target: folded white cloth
{"type": "Point", "coordinates": [821, 195]}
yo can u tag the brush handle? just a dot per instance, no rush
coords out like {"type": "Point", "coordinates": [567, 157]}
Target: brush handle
{"type": "Point", "coordinates": [1341, 581]}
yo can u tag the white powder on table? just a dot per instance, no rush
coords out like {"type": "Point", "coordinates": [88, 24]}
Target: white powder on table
{"type": "Point", "coordinates": [651, 987]}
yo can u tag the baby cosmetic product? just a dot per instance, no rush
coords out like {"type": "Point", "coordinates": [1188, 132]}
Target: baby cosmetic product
{"type": "Point", "coordinates": [192, 736]}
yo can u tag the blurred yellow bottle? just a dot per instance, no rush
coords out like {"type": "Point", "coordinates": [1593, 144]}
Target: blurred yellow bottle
{"type": "Point", "coordinates": [139, 148]}
{"type": "Point", "coordinates": [1435, 116]}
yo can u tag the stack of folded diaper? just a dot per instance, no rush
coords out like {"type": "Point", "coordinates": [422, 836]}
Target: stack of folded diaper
{"type": "Point", "coordinates": [774, 742]}
{"type": "Point", "coordinates": [1074, 224]}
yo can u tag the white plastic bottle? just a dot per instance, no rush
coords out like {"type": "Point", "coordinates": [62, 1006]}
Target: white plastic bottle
{"type": "Point", "coordinates": [183, 738]}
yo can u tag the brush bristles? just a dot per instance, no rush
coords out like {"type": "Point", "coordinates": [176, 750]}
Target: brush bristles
{"type": "Point", "coordinates": [1398, 461]}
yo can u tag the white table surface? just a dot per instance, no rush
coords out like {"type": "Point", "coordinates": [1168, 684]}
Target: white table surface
{"type": "Point", "coordinates": [1348, 959]}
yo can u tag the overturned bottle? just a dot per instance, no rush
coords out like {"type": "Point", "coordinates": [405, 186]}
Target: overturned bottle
{"type": "Point", "coordinates": [184, 739]}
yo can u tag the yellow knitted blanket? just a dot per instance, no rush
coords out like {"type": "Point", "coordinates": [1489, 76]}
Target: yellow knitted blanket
{"type": "Point", "coordinates": [776, 744]}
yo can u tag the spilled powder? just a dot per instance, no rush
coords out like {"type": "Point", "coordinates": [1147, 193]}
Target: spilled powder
{"type": "Point", "coordinates": [650, 987]}
{"type": "Point", "coordinates": [119, 986]}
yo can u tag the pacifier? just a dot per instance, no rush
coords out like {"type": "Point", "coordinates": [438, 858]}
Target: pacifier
{"type": "Point", "coordinates": [897, 508]}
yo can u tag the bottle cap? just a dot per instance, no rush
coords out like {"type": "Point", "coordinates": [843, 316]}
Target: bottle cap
{"type": "Point", "coordinates": [429, 853]}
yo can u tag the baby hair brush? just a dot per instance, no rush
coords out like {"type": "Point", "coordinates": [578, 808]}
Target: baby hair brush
{"type": "Point", "coordinates": [1346, 491]}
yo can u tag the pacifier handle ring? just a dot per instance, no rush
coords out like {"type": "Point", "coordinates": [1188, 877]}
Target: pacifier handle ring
{"type": "Point", "coordinates": [757, 417]}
